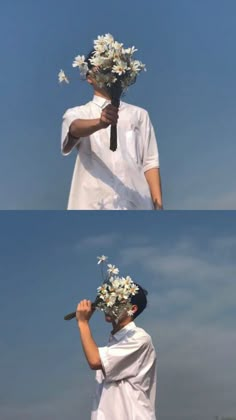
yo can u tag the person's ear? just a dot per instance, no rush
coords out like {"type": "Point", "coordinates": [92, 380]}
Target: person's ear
{"type": "Point", "coordinates": [89, 80]}
{"type": "Point", "coordinates": [134, 308]}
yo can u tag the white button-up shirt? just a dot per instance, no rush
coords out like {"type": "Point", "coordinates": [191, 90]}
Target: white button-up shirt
{"type": "Point", "coordinates": [128, 389]}
{"type": "Point", "coordinates": [106, 180]}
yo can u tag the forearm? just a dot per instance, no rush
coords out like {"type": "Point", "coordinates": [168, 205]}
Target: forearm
{"type": "Point", "coordinates": [89, 346]}
{"type": "Point", "coordinates": [153, 178]}
{"type": "Point", "coordinates": [81, 128]}
{"type": "Point", "coordinates": [84, 128]}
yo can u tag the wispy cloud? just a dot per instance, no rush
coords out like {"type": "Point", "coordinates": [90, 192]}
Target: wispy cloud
{"type": "Point", "coordinates": [188, 281]}
{"type": "Point", "coordinates": [96, 241]}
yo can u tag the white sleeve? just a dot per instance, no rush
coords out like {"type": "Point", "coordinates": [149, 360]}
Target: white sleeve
{"type": "Point", "coordinates": [67, 119]}
{"type": "Point", "coordinates": [150, 148]}
{"type": "Point", "coordinates": [122, 360]}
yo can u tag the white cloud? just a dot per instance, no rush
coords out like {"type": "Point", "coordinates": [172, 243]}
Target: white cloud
{"type": "Point", "coordinates": [98, 241]}
{"type": "Point", "coordinates": [111, 240]}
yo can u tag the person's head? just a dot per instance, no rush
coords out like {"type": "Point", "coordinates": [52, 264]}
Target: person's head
{"type": "Point", "coordinates": [100, 91]}
{"type": "Point", "coordinates": [138, 302]}
{"type": "Point", "coordinates": [89, 77]}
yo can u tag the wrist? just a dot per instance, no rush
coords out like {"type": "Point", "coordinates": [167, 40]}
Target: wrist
{"type": "Point", "coordinates": [101, 124]}
{"type": "Point", "coordinates": [82, 323]}
{"type": "Point", "coordinates": [157, 205]}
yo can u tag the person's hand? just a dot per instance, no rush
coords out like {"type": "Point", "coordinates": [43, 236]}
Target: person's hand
{"type": "Point", "coordinates": [84, 311]}
{"type": "Point", "coordinates": [109, 116]}
{"type": "Point", "coordinates": [157, 206]}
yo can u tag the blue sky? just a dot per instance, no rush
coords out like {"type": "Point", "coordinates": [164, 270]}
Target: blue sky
{"type": "Point", "coordinates": [189, 91]}
{"type": "Point", "coordinates": [186, 261]}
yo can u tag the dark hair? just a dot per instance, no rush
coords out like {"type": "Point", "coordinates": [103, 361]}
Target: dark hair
{"type": "Point", "coordinates": [140, 299]}
{"type": "Point", "coordinates": [87, 59]}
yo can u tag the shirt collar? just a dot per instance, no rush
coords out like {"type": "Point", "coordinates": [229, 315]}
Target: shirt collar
{"type": "Point", "coordinates": [100, 101]}
{"type": "Point", "coordinates": [103, 102]}
{"type": "Point", "coordinates": [121, 333]}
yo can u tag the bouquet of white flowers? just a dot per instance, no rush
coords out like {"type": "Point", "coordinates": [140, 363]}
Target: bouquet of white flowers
{"type": "Point", "coordinates": [112, 67]}
{"type": "Point", "coordinates": [115, 293]}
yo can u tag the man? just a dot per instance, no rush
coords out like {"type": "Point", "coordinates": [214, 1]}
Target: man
{"type": "Point", "coordinates": [125, 368]}
{"type": "Point", "coordinates": [127, 179]}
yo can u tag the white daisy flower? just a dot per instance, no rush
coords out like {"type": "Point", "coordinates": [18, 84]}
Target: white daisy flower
{"type": "Point", "coordinates": [128, 280]}
{"type": "Point", "coordinates": [120, 68]}
{"type": "Point", "coordinates": [116, 283]}
{"type": "Point", "coordinates": [117, 46]}
{"type": "Point", "coordinates": [109, 38]}
{"type": "Point", "coordinates": [101, 48]}
{"type": "Point", "coordinates": [96, 60]}
{"type": "Point", "coordinates": [79, 61]}
{"type": "Point", "coordinates": [104, 296]}
{"type": "Point", "coordinates": [130, 312]}
{"type": "Point", "coordinates": [62, 77]}
{"type": "Point", "coordinates": [100, 43]}
{"type": "Point", "coordinates": [110, 300]}
{"type": "Point", "coordinates": [122, 281]}
{"type": "Point", "coordinates": [102, 259]}
{"type": "Point", "coordinates": [134, 289]}
{"type": "Point", "coordinates": [84, 70]}
{"type": "Point", "coordinates": [102, 289]}
{"type": "Point", "coordinates": [112, 269]}
{"type": "Point", "coordinates": [129, 51]}
{"type": "Point", "coordinates": [123, 295]}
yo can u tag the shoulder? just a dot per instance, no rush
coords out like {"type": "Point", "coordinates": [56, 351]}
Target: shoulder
{"type": "Point", "coordinates": [76, 110]}
{"type": "Point", "coordinates": [146, 344]}
{"type": "Point", "coordinates": [139, 334]}
{"type": "Point", "coordinates": [140, 112]}
{"type": "Point", "coordinates": [134, 108]}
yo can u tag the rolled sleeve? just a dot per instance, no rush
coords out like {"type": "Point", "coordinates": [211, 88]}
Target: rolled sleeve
{"type": "Point", "coordinates": [150, 147]}
{"type": "Point", "coordinates": [121, 360]}
{"type": "Point", "coordinates": [67, 119]}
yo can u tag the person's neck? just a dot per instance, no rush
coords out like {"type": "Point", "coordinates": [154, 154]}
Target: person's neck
{"type": "Point", "coordinates": [102, 93]}
{"type": "Point", "coordinates": [122, 324]}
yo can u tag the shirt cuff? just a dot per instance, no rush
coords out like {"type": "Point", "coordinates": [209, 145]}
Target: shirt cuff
{"type": "Point", "coordinates": [65, 143]}
{"type": "Point", "coordinates": [151, 165]}
{"type": "Point", "coordinates": [104, 359]}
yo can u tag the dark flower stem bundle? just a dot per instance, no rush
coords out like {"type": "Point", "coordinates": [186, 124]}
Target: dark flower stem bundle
{"type": "Point", "coordinates": [116, 91]}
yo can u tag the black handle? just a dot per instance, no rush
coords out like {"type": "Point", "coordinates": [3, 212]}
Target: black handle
{"type": "Point", "coordinates": [113, 138]}
{"type": "Point", "coordinates": [72, 315]}
{"type": "Point", "coordinates": [116, 91]}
